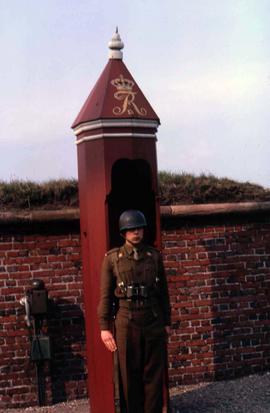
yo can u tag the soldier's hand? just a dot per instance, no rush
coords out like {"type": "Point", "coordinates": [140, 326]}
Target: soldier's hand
{"type": "Point", "coordinates": [108, 340]}
{"type": "Point", "coordinates": [168, 330]}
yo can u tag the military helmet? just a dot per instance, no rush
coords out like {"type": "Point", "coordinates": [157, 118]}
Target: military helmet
{"type": "Point", "coordinates": [131, 219]}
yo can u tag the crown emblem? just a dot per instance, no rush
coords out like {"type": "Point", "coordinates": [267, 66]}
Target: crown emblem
{"type": "Point", "coordinates": [122, 84]}
{"type": "Point", "coordinates": [125, 94]}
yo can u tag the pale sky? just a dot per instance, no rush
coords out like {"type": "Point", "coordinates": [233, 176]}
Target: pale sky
{"type": "Point", "coordinates": [204, 66]}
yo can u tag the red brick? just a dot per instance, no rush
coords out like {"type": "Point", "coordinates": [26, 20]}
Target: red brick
{"type": "Point", "coordinates": [205, 286]}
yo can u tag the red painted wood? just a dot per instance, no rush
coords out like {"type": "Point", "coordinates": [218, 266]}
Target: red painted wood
{"type": "Point", "coordinates": [94, 244]}
{"type": "Point", "coordinates": [101, 101]}
{"type": "Point", "coordinates": [96, 158]}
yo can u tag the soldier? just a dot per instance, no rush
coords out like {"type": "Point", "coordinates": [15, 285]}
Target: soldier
{"type": "Point", "coordinates": [133, 280]}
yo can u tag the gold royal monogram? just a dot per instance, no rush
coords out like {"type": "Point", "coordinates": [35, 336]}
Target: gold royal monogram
{"type": "Point", "coordinates": [125, 93]}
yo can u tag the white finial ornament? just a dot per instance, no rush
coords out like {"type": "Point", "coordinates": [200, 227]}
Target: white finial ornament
{"type": "Point", "coordinates": [115, 46]}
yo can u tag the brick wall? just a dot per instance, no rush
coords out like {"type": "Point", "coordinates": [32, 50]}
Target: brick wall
{"type": "Point", "coordinates": [219, 276]}
{"type": "Point", "coordinates": [219, 280]}
{"type": "Point", "coordinates": [54, 258]}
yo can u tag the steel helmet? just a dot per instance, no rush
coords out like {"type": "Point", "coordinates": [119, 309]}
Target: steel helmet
{"type": "Point", "coordinates": [131, 219]}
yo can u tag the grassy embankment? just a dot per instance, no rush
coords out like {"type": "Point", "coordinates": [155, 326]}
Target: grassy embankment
{"type": "Point", "coordinates": [175, 188]}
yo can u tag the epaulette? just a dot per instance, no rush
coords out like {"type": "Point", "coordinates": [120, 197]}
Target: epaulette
{"type": "Point", "coordinates": [111, 251]}
{"type": "Point", "coordinates": [151, 250]}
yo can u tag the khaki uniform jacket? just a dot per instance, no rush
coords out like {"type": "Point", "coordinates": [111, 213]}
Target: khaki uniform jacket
{"type": "Point", "coordinates": [119, 266]}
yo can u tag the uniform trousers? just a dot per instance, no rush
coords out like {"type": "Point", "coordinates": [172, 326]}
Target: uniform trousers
{"type": "Point", "coordinates": [141, 344]}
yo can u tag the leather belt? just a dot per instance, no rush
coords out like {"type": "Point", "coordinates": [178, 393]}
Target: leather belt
{"type": "Point", "coordinates": [135, 304]}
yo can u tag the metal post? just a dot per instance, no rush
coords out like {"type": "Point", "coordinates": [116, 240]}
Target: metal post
{"type": "Point", "coordinates": [39, 365]}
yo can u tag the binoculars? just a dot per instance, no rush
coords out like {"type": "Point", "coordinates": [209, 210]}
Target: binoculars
{"type": "Point", "coordinates": [137, 291]}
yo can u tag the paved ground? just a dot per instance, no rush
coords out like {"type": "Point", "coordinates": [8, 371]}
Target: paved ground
{"type": "Point", "coordinates": [75, 406]}
{"type": "Point", "coordinates": [246, 395]}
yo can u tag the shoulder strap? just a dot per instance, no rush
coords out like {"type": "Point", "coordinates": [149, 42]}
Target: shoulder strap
{"type": "Point", "coordinates": [155, 254]}
{"type": "Point", "coordinates": [112, 251]}
{"type": "Point", "coordinates": [114, 256]}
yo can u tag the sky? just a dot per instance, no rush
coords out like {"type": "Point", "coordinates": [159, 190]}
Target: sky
{"type": "Point", "coordinates": [204, 66]}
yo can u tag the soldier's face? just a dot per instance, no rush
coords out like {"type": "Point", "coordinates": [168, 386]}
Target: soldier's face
{"type": "Point", "coordinates": [134, 235]}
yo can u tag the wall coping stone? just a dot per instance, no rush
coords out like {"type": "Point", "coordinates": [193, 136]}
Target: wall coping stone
{"type": "Point", "coordinates": [73, 214]}
{"type": "Point", "coordinates": [214, 209]}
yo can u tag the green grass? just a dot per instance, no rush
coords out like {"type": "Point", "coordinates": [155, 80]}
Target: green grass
{"type": "Point", "coordinates": [174, 188]}
{"type": "Point", "coordinates": [28, 194]}
{"type": "Point", "coordinates": [187, 188]}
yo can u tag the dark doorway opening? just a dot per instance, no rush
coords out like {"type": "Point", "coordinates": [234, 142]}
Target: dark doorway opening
{"type": "Point", "coordinates": [131, 188]}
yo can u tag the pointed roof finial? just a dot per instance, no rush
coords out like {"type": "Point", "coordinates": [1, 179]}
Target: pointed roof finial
{"type": "Point", "coordinates": [115, 46]}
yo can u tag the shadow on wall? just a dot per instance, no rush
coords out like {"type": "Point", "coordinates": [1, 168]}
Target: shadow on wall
{"type": "Point", "coordinates": [219, 276]}
{"type": "Point", "coordinates": [67, 366]}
